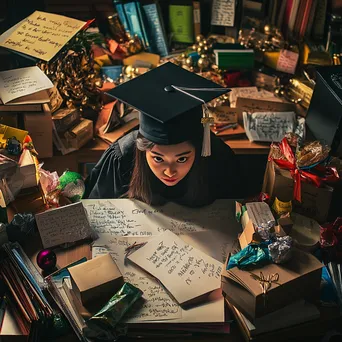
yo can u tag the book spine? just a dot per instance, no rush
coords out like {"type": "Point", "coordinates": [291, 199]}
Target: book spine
{"type": "Point", "coordinates": [142, 25]}
{"type": "Point", "coordinates": [155, 30]}
{"type": "Point", "coordinates": [121, 12]}
{"type": "Point", "coordinates": [197, 17]}
{"type": "Point", "coordinates": [319, 21]}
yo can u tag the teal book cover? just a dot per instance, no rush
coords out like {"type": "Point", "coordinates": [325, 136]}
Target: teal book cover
{"type": "Point", "coordinates": [155, 29]}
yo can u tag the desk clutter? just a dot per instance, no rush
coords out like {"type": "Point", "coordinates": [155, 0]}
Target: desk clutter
{"type": "Point", "coordinates": [109, 268]}
{"type": "Point", "coordinates": [58, 92]}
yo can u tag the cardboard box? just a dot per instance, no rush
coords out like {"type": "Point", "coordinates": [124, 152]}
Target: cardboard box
{"type": "Point", "coordinates": [80, 134]}
{"type": "Point", "coordinates": [315, 201]}
{"type": "Point", "coordinates": [39, 126]}
{"type": "Point", "coordinates": [65, 119]}
{"type": "Point", "coordinates": [28, 170]}
{"type": "Point", "coordinates": [96, 280]}
{"type": "Point", "coordinates": [298, 278]}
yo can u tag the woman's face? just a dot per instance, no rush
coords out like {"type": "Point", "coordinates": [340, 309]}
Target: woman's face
{"type": "Point", "coordinates": [171, 163]}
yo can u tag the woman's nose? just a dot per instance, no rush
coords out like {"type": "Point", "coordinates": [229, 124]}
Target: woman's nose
{"type": "Point", "coordinates": [169, 172]}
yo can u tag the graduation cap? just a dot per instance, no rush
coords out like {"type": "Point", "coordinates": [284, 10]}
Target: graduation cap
{"type": "Point", "coordinates": [172, 104]}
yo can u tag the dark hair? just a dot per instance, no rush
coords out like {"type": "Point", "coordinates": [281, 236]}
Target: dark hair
{"type": "Point", "coordinates": [142, 182]}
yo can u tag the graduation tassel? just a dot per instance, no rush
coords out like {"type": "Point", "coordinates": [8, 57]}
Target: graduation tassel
{"type": "Point", "coordinates": [206, 121]}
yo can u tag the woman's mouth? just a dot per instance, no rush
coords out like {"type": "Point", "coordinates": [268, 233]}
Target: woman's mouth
{"type": "Point", "coordinates": [170, 180]}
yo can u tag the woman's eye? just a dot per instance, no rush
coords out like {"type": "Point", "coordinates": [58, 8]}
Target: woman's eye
{"type": "Point", "coordinates": [158, 159]}
{"type": "Point", "coordinates": [182, 159]}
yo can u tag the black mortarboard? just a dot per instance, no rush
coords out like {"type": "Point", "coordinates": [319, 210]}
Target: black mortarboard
{"type": "Point", "coordinates": [170, 101]}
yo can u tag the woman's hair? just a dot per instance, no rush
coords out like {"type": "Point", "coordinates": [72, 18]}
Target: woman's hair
{"type": "Point", "coordinates": [142, 181]}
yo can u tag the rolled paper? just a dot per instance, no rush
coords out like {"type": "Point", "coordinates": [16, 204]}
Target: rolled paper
{"type": "Point", "coordinates": [281, 249]}
{"type": "Point", "coordinates": [103, 325]}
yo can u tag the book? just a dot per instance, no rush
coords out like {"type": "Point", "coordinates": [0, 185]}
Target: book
{"type": "Point", "coordinates": [197, 17]}
{"type": "Point", "coordinates": [234, 58]}
{"type": "Point", "coordinates": [181, 23]}
{"type": "Point", "coordinates": [290, 315]}
{"type": "Point", "coordinates": [319, 21]}
{"type": "Point", "coordinates": [135, 21]}
{"type": "Point", "coordinates": [155, 29]}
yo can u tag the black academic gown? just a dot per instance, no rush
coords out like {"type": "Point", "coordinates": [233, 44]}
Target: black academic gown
{"type": "Point", "coordinates": [111, 176]}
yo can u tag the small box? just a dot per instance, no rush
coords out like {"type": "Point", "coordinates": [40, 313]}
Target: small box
{"type": "Point", "coordinates": [65, 119]}
{"type": "Point", "coordinates": [96, 280]}
{"type": "Point", "coordinates": [300, 277]}
{"type": "Point", "coordinates": [80, 134]}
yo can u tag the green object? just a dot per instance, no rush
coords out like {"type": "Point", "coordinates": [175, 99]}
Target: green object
{"type": "Point", "coordinates": [181, 23]}
{"type": "Point", "coordinates": [103, 325]}
{"type": "Point", "coordinates": [234, 59]}
{"type": "Point", "coordinates": [255, 254]}
{"type": "Point", "coordinates": [72, 185]}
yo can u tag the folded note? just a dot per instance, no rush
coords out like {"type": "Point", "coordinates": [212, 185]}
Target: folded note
{"type": "Point", "coordinates": [18, 83]}
{"type": "Point", "coordinates": [41, 35]}
{"type": "Point", "coordinates": [64, 225]}
{"type": "Point", "coordinates": [186, 272]}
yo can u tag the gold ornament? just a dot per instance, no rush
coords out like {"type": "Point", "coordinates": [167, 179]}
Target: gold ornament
{"type": "Point", "coordinates": [203, 63]}
{"type": "Point", "coordinates": [199, 38]}
{"type": "Point", "coordinates": [189, 61]}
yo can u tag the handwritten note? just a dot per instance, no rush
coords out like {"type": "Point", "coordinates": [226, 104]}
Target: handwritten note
{"type": "Point", "coordinates": [270, 127]}
{"type": "Point", "coordinates": [63, 225]}
{"type": "Point", "coordinates": [261, 105]}
{"type": "Point", "coordinates": [133, 218]}
{"type": "Point", "coordinates": [185, 271]}
{"type": "Point", "coordinates": [42, 35]}
{"type": "Point", "coordinates": [156, 304]}
{"type": "Point", "coordinates": [224, 114]}
{"type": "Point", "coordinates": [287, 61]}
{"type": "Point", "coordinates": [20, 82]}
{"type": "Point", "coordinates": [223, 12]}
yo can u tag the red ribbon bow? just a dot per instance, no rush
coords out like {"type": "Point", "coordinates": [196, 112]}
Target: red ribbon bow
{"type": "Point", "coordinates": [329, 174]}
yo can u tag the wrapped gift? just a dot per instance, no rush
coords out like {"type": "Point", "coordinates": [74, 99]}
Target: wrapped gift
{"type": "Point", "coordinates": [310, 186]}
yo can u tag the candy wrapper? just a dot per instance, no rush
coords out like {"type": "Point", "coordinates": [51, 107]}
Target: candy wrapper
{"type": "Point", "coordinates": [103, 325]}
{"type": "Point", "coordinates": [331, 240]}
{"type": "Point", "coordinates": [281, 249]}
{"type": "Point", "coordinates": [21, 227]}
{"type": "Point", "coordinates": [312, 154]}
{"type": "Point", "coordinates": [255, 254]}
{"type": "Point", "coordinates": [266, 230]}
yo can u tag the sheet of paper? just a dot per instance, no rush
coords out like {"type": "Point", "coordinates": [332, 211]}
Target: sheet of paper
{"type": "Point", "coordinates": [185, 271]}
{"type": "Point", "coordinates": [156, 303]}
{"type": "Point", "coordinates": [250, 93]}
{"type": "Point", "coordinates": [269, 126]}
{"type": "Point", "coordinates": [287, 61]}
{"type": "Point", "coordinates": [134, 218]}
{"type": "Point", "coordinates": [41, 34]}
{"type": "Point", "coordinates": [20, 82]}
{"type": "Point", "coordinates": [223, 12]}
{"type": "Point", "coordinates": [63, 225]}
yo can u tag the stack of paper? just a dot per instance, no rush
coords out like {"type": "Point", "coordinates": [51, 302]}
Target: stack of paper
{"type": "Point", "coordinates": [24, 295]}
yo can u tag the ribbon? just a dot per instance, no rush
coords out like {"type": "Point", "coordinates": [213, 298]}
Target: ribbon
{"type": "Point", "coordinates": [328, 174]}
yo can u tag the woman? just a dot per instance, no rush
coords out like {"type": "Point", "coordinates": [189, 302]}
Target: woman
{"type": "Point", "coordinates": [163, 162]}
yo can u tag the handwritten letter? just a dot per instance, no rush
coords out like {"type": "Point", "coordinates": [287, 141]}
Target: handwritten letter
{"type": "Point", "coordinates": [63, 225]}
{"type": "Point", "coordinates": [133, 218]}
{"type": "Point", "coordinates": [271, 127]}
{"type": "Point", "coordinates": [20, 82]}
{"type": "Point", "coordinates": [223, 12]}
{"type": "Point", "coordinates": [42, 35]}
{"type": "Point", "coordinates": [185, 271]}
